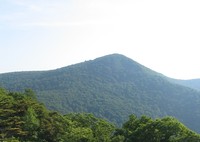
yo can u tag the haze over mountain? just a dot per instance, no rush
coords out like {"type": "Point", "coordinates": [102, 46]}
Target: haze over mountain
{"type": "Point", "coordinates": [112, 87]}
{"type": "Point", "coordinates": [192, 83]}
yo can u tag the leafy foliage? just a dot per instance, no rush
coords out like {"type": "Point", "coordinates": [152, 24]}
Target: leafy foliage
{"type": "Point", "coordinates": [88, 125]}
{"type": "Point", "coordinates": [23, 119]}
{"type": "Point", "coordinates": [110, 87]}
{"type": "Point", "coordinates": [144, 129]}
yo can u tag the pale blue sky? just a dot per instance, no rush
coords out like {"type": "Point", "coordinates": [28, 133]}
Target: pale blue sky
{"type": "Point", "coordinates": [49, 34]}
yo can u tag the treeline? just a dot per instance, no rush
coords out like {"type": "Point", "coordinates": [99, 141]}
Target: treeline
{"type": "Point", "coordinates": [24, 119]}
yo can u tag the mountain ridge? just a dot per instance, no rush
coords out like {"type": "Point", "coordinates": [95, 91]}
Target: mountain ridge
{"type": "Point", "coordinates": [191, 83]}
{"type": "Point", "coordinates": [112, 87]}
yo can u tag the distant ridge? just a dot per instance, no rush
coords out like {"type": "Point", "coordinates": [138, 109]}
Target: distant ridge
{"type": "Point", "coordinates": [113, 87]}
{"type": "Point", "coordinates": [192, 83]}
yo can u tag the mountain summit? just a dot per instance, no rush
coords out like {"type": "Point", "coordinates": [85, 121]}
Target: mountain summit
{"type": "Point", "coordinates": [112, 87]}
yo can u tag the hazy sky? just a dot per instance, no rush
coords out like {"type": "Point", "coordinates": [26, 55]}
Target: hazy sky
{"type": "Point", "coordinates": [163, 35]}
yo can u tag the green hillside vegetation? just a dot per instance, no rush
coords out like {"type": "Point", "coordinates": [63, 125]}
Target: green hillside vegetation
{"type": "Point", "coordinates": [24, 119]}
{"type": "Point", "coordinates": [111, 87]}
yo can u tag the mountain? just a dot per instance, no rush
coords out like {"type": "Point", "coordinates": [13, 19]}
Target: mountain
{"type": "Point", "coordinates": [111, 87]}
{"type": "Point", "coordinates": [192, 83]}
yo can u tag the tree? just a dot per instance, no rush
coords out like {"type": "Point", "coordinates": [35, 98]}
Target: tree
{"type": "Point", "coordinates": [101, 129]}
{"type": "Point", "coordinates": [10, 116]}
{"type": "Point", "coordinates": [145, 129]}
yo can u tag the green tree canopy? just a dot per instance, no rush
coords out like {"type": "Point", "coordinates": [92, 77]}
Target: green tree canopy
{"type": "Point", "coordinates": [24, 119]}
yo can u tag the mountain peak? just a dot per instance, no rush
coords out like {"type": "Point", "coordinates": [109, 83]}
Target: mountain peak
{"type": "Point", "coordinates": [112, 86]}
{"type": "Point", "coordinates": [124, 64]}
{"type": "Point", "coordinates": [114, 56]}
{"type": "Point", "coordinates": [116, 59]}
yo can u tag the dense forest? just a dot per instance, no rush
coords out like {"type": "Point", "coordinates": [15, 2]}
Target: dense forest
{"type": "Point", "coordinates": [24, 119]}
{"type": "Point", "coordinates": [110, 87]}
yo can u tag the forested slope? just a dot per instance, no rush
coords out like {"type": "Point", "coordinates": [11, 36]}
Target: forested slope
{"type": "Point", "coordinates": [24, 119]}
{"type": "Point", "coordinates": [111, 87]}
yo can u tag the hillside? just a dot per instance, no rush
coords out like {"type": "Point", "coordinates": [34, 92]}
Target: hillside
{"type": "Point", "coordinates": [24, 119]}
{"type": "Point", "coordinates": [111, 87]}
{"type": "Point", "coordinates": [192, 83]}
